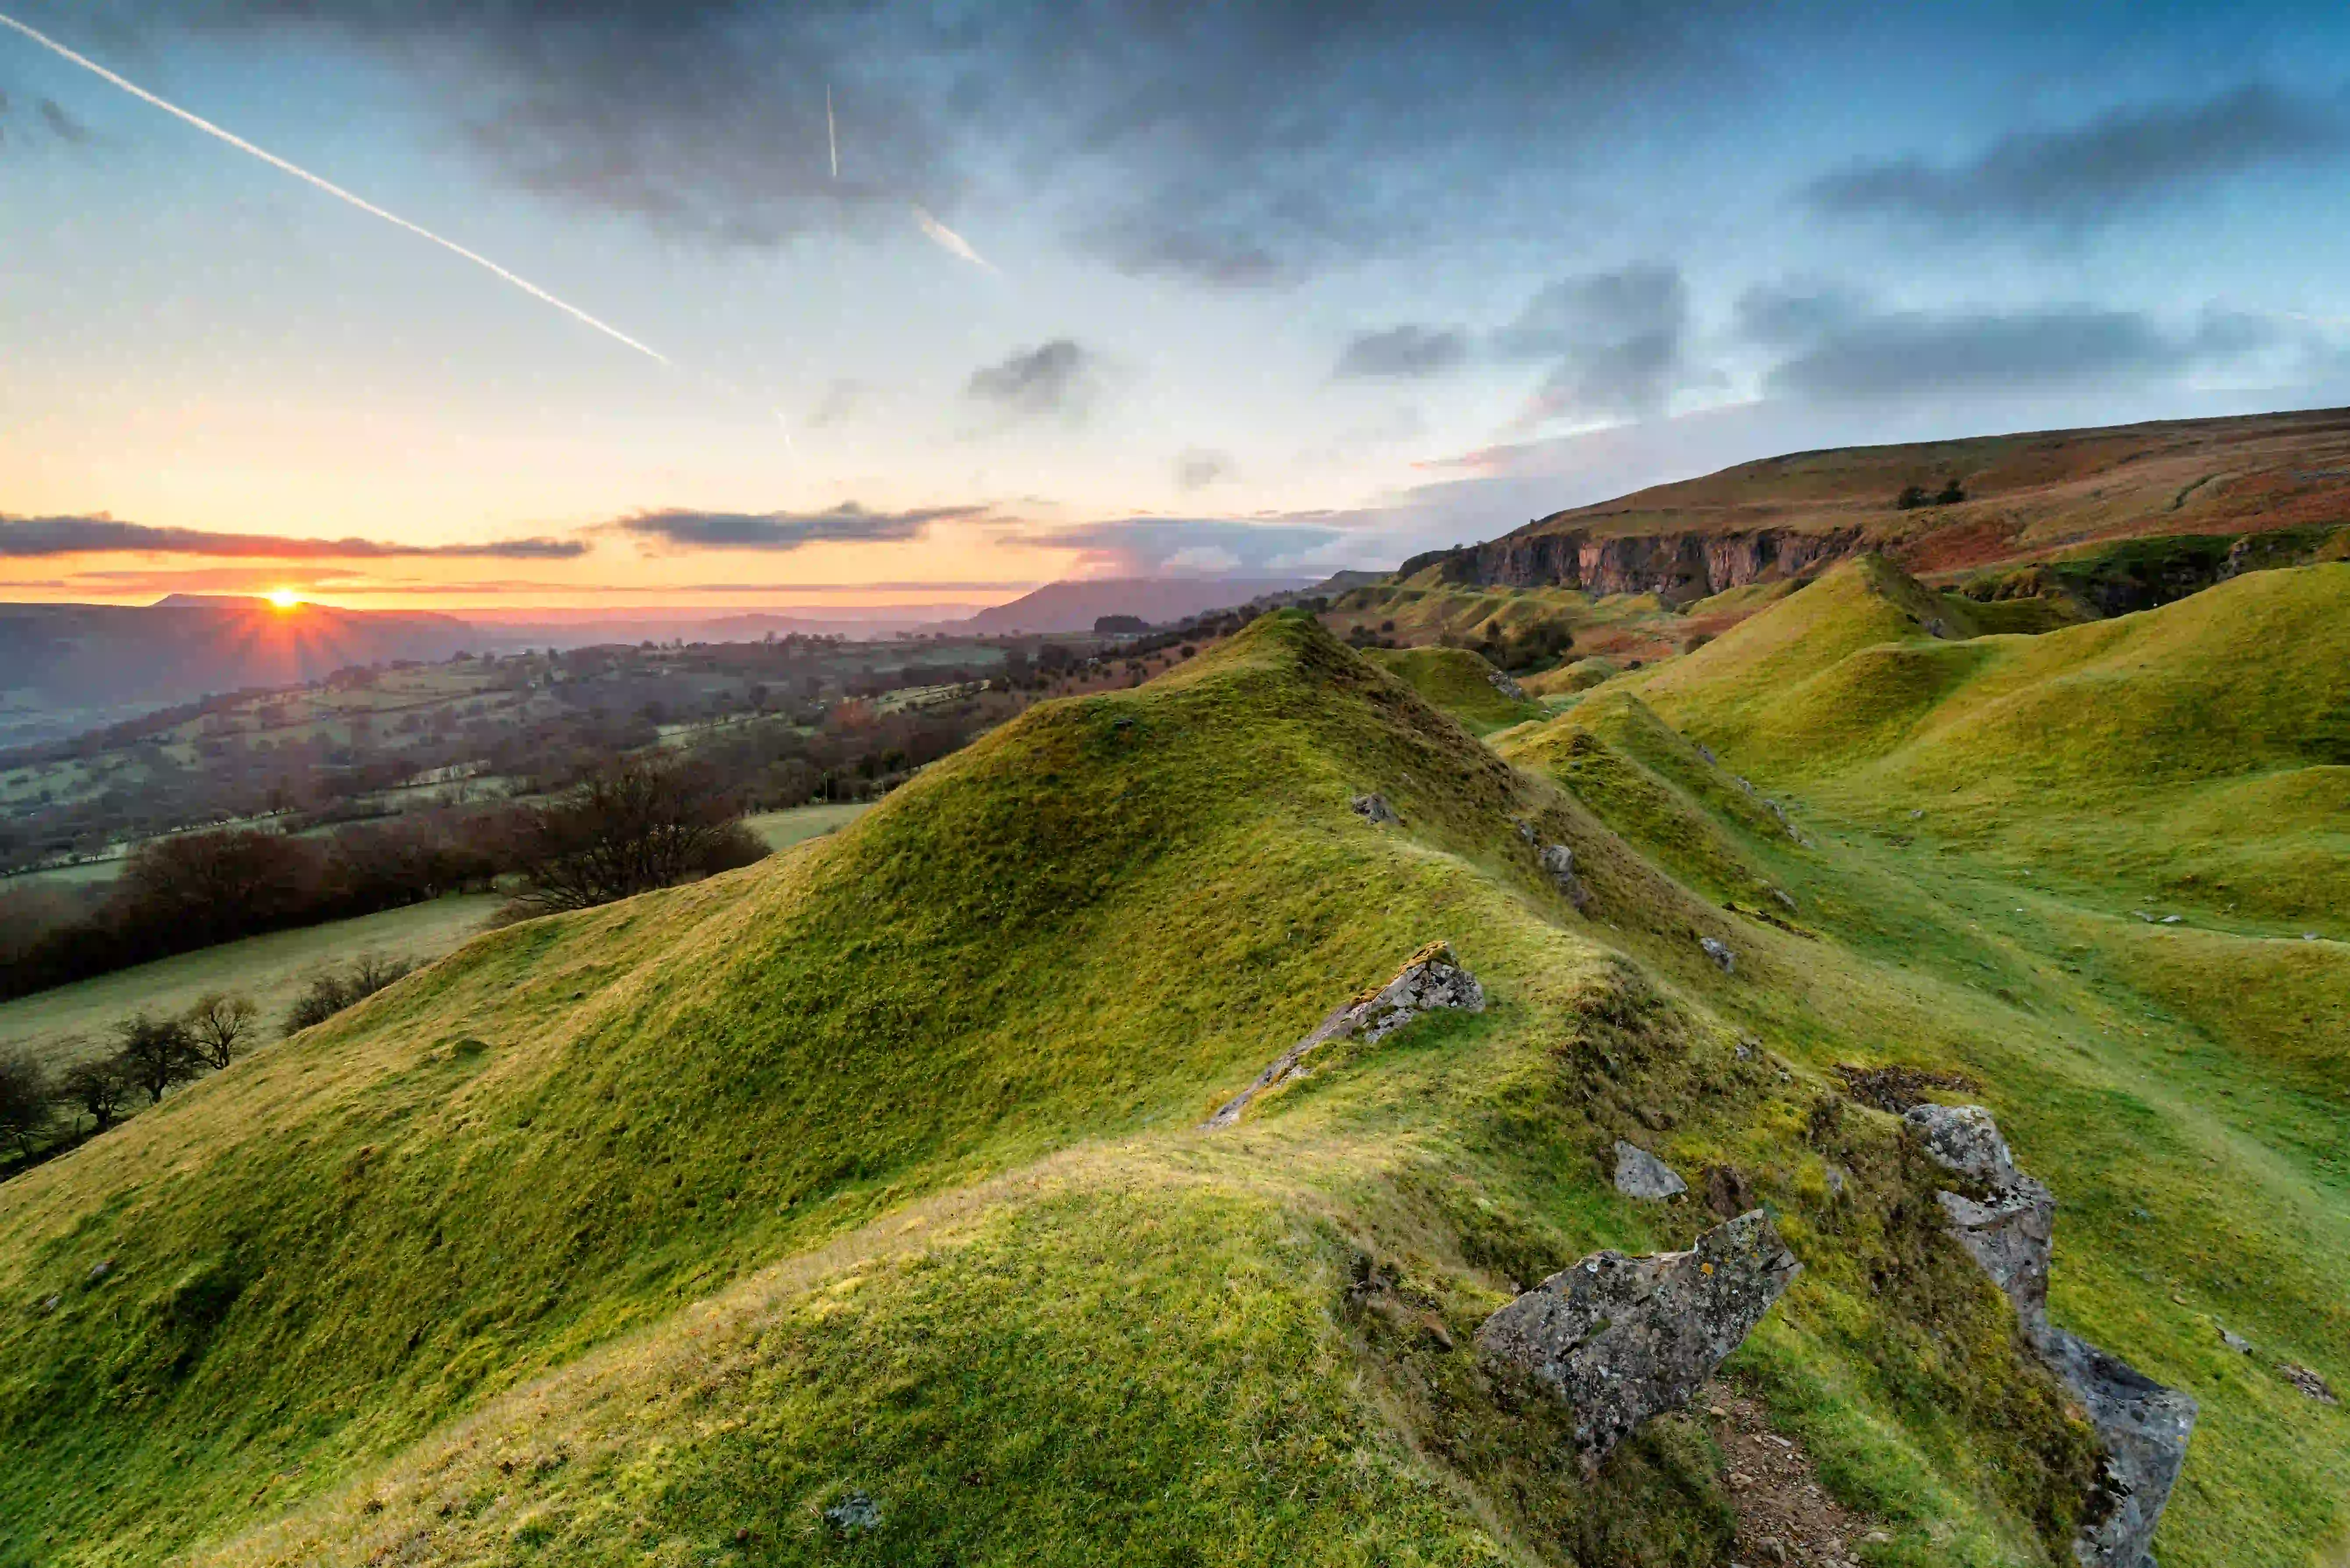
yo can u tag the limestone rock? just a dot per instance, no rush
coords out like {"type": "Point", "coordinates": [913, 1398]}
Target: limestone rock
{"type": "Point", "coordinates": [1375, 809]}
{"type": "Point", "coordinates": [1505, 686]}
{"type": "Point", "coordinates": [1718, 951]}
{"type": "Point", "coordinates": [1965, 1139]}
{"type": "Point", "coordinates": [1622, 1339]}
{"type": "Point", "coordinates": [1639, 1174]}
{"type": "Point", "coordinates": [1429, 979]}
{"type": "Point", "coordinates": [2233, 1341]}
{"type": "Point", "coordinates": [2009, 1238]}
{"type": "Point", "coordinates": [2144, 1427]}
{"type": "Point", "coordinates": [1558, 862]}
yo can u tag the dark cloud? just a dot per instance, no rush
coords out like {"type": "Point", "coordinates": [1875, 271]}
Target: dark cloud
{"type": "Point", "coordinates": [1402, 352]}
{"type": "Point", "coordinates": [1853, 352]}
{"type": "Point", "coordinates": [1054, 377]}
{"type": "Point", "coordinates": [64, 126]}
{"type": "Point", "coordinates": [1226, 144]}
{"type": "Point", "coordinates": [30, 537]}
{"type": "Point", "coordinates": [2095, 172]}
{"type": "Point", "coordinates": [1144, 547]}
{"type": "Point", "coordinates": [845, 524]}
{"type": "Point", "coordinates": [1613, 341]}
{"type": "Point", "coordinates": [1197, 468]}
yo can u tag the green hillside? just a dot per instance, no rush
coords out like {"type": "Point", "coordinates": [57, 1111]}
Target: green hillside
{"type": "Point", "coordinates": [647, 1234]}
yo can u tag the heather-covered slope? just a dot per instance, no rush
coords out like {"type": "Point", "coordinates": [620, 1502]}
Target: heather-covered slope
{"type": "Point", "coordinates": [652, 1232]}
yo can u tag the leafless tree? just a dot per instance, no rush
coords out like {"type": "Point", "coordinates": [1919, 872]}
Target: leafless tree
{"type": "Point", "coordinates": [218, 1024]}
{"type": "Point", "coordinates": [636, 825]}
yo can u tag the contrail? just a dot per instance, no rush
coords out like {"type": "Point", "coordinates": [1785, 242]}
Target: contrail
{"type": "Point", "coordinates": [831, 136]}
{"type": "Point", "coordinates": [949, 240]}
{"type": "Point", "coordinates": [331, 188]}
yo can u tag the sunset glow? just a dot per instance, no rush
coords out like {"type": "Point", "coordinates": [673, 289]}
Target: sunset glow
{"type": "Point", "coordinates": [284, 598]}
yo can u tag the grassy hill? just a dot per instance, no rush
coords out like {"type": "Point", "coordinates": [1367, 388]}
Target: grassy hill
{"type": "Point", "coordinates": [650, 1232]}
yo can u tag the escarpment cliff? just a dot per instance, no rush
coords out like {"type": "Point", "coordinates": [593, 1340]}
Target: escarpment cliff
{"type": "Point", "coordinates": [1677, 567]}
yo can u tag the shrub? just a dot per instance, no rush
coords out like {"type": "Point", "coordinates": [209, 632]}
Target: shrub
{"type": "Point", "coordinates": [156, 1053]}
{"type": "Point", "coordinates": [331, 991]}
{"type": "Point", "coordinates": [97, 1089]}
{"type": "Point", "coordinates": [217, 1025]}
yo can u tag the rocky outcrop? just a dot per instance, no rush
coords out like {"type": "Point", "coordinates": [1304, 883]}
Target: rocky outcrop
{"type": "Point", "coordinates": [1639, 1174]}
{"type": "Point", "coordinates": [1500, 680]}
{"type": "Point", "coordinates": [1374, 809]}
{"type": "Point", "coordinates": [2008, 1228]}
{"type": "Point", "coordinates": [1431, 980]}
{"type": "Point", "coordinates": [1622, 1339]}
{"type": "Point", "coordinates": [1678, 566]}
{"type": "Point", "coordinates": [1719, 953]}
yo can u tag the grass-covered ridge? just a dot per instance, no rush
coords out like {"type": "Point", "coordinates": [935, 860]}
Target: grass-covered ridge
{"type": "Point", "coordinates": [646, 1234]}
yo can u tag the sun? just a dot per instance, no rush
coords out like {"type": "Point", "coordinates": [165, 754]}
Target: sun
{"type": "Point", "coordinates": [284, 598]}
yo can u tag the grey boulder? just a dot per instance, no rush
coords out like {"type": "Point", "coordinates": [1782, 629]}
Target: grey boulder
{"type": "Point", "coordinates": [1558, 864]}
{"type": "Point", "coordinates": [1374, 808]}
{"type": "Point", "coordinates": [1639, 1174]}
{"type": "Point", "coordinates": [1718, 951]}
{"type": "Point", "coordinates": [1505, 686]}
{"type": "Point", "coordinates": [1431, 980]}
{"type": "Point", "coordinates": [1621, 1339]}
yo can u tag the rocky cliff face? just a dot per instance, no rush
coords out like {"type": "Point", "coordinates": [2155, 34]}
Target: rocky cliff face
{"type": "Point", "coordinates": [1677, 568]}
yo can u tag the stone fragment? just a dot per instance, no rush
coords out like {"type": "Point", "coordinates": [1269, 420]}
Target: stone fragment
{"type": "Point", "coordinates": [1622, 1339]}
{"type": "Point", "coordinates": [1718, 951]}
{"type": "Point", "coordinates": [1429, 979]}
{"type": "Point", "coordinates": [1374, 808]}
{"type": "Point", "coordinates": [854, 1514]}
{"type": "Point", "coordinates": [1639, 1174]}
{"type": "Point", "coordinates": [2235, 1342]}
{"type": "Point", "coordinates": [2308, 1382]}
{"type": "Point", "coordinates": [2009, 1238]}
{"type": "Point", "coordinates": [1786, 899]}
{"type": "Point", "coordinates": [1505, 686]}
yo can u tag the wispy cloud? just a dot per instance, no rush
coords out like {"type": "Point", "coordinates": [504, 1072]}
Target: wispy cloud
{"type": "Point", "coordinates": [1148, 547]}
{"type": "Point", "coordinates": [23, 537]}
{"type": "Point", "coordinates": [848, 522]}
{"type": "Point", "coordinates": [946, 239]}
{"type": "Point", "coordinates": [1196, 468]}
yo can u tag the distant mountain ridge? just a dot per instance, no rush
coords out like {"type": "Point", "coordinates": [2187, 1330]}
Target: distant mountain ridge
{"type": "Point", "coordinates": [1076, 604]}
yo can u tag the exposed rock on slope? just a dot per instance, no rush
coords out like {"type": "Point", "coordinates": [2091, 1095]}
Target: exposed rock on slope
{"type": "Point", "coordinates": [2144, 1426]}
{"type": "Point", "coordinates": [1639, 1174]}
{"type": "Point", "coordinates": [1431, 979]}
{"type": "Point", "coordinates": [1622, 1339]}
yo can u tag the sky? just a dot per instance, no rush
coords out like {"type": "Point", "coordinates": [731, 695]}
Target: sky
{"type": "Point", "coordinates": [584, 313]}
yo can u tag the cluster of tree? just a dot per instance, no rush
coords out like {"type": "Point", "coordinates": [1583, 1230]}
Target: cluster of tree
{"type": "Point", "coordinates": [1913, 496]}
{"type": "Point", "coordinates": [152, 1055]}
{"type": "Point", "coordinates": [333, 991]}
{"type": "Point", "coordinates": [197, 889]}
{"type": "Point", "coordinates": [645, 824]}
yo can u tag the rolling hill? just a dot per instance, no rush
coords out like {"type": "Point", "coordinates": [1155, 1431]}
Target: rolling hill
{"type": "Point", "coordinates": [2150, 512]}
{"type": "Point", "coordinates": [855, 1206]}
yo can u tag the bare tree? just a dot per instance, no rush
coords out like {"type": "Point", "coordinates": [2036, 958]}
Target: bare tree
{"type": "Point", "coordinates": [156, 1054]}
{"type": "Point", "coordinates": [25, 1105]}
{"type": "Point", "coordinates": [96, 1088]}
{"type": "Point", "coordinates": [218, 1024]}
{"type": "Point", "coordinates": [636, 825]}
{"type": "Point", "coordinates": [329, 992]}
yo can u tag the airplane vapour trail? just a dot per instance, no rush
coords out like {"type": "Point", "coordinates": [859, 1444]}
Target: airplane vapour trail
{"type": "Point", "coordinates": [950, 241]}
{"type": "Point", "coordinates": [329, 186]}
